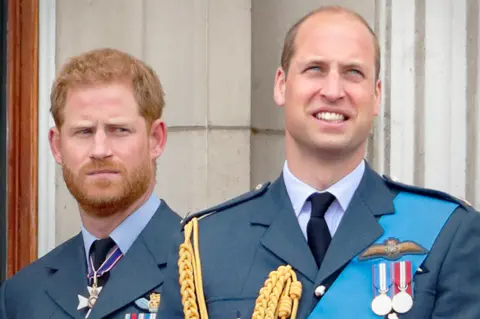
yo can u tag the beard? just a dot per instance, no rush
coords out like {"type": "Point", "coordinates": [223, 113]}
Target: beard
{"type": "Point", "coordinates": [103, 197]}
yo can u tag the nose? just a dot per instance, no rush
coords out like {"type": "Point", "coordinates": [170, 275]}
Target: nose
{"type": "Point", "coordinates": [101, 147]}
{"type": "Point", "coordinates": [332, 89]}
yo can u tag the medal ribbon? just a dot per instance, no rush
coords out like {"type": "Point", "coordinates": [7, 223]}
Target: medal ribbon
{"type": "Point", "coordinates": [381, 278]}
{"type": "Point", "coordinates": [402, 276]}
{"type": "Point", "coordinates": [112, 259]}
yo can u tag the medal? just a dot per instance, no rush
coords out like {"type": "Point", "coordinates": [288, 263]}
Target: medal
{"type": "Point", "coordinates": [94, 274]}
{"type": "Point", "coordinates": [90, 301]}
{"type": "Point", "coordinates": [393, 315]}
{"type": "Point", "coordinates": [93, 292]}
{"type": "Point", "coordinates": [402, 301]}
{"type": "Point", "coordinates": [381, 304]}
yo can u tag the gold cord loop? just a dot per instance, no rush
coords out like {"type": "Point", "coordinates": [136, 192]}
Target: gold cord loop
{"type": "Point", "coordinates": [277, 299]}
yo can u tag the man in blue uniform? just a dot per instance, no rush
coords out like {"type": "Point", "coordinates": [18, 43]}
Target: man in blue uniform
{"type": "Point", "coordinates": [107, 107]}
{"type": "Point", "coordinates": [330, 238]}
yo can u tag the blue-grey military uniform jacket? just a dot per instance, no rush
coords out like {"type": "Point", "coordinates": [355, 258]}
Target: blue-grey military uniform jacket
{"type": "Point", "coordinates": [243, 240]}
{"type": "Point", "coordinates": [49, 287]}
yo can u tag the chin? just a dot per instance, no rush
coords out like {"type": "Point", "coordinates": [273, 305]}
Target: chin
{"type": "Point", "coordinates": [334, 145]}
{"type": "Point", "coordinates": [103, 196]}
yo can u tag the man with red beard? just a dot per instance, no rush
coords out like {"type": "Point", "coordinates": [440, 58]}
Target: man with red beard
{"type": "Point", "coordinates": [107, 107]}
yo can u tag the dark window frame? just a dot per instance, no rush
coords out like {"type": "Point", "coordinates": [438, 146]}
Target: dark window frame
{"type": "Point", "coordinates": [22, 133]}
{"type": "Point", "coordinates": [3, 139]}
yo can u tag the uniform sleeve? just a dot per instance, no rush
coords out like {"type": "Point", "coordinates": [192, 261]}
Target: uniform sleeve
{"type": "Point", "coordinates": [458, 293]}
{"type": "Point", "coordinates": [3, 307]}
{"type": "Point", "coordinates": [171, 303]}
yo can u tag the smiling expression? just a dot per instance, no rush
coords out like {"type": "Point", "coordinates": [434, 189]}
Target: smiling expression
{"type": "Point", "coordinates": [329, 93]}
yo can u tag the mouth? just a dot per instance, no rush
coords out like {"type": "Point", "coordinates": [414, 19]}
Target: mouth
{"type": "Point", "coordinates": [103, 172]}
{"type": "Point", "coordinates": [331, 117]}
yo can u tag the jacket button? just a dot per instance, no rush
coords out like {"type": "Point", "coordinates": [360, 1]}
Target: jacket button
{"type": "Point", "coordinates": [320, 291]}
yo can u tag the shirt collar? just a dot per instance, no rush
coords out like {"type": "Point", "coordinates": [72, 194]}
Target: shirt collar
{"type": "Point", "coordinates": [126, 233]}
{"type": "Point", "coordinates": [343, 190]}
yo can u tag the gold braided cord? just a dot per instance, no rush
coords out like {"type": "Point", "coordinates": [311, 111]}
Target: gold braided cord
{"type": "Point", "coordinates": [190, 275]}
{"type": "Point", "coordinates": [198, 273]}
{"type": "Point", "coordinates": [278, 298]}
{"type": "Point", "coordinates": [280, 295]}
{"type": "Point", "coordinates": [185, 269]}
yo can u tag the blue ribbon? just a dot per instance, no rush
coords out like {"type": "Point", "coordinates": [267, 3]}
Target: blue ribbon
{"type": "Point", "coordinates": [417, 218]}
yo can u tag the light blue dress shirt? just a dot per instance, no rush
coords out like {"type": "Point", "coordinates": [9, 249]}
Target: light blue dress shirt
{"type": "Point", "coordinates": [343, 191]}
{"type": "Point", "coordinates": [126, 233]}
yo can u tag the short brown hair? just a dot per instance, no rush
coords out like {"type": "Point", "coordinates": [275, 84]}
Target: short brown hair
{"type": "Point", "coordinates": [104, 66]}
{"type": "Point", "coordinates": [289, 43]}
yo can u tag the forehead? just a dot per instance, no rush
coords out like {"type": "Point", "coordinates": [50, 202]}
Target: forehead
{"type": "Point", "coordinates": [337, 34]}
{"type": "Point", "coordinates": [106, 100]}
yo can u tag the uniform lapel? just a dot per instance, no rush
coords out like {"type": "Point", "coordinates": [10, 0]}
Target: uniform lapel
{"type": "Point", "coordinates": [69, 276]}
{"type": "Point", "coordinates": [284, 237]}
{"type": "Point", "coordinates": [139, 271]}
{"type": "Point", "coordinates": [359, 227]}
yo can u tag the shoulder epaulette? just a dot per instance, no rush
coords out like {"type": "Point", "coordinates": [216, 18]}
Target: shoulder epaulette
{"type": "Point", "coordinates": [259, 190]}
{"type": "Point", "coordinates": [427, 192]}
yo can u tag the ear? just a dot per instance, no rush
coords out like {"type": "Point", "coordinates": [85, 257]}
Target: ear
{"type": "Point", "coordinates": [54, 140]}
{"type": "Point", "coordinates": [157, 138]}
{"type": "Point", "coordinates": [378, 97]}
{"type": "Point", "coordinates": [279, 87]}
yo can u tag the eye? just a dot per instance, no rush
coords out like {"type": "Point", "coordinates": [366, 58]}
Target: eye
{"type": "Point", "coordinates": [314, 68]}
{"type": "Point", "coordinates": [120, 130]}
{"type": "Point", "coordinates": [84, 131]}
{"type": "Point", "coordinates": [355, 73]}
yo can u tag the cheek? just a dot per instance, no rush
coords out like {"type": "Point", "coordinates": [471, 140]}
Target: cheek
{"type": "Point", "coordinates": [74, 155]}
{"type": "Point", "coordinates": [304, 92]}
{"type": "Point", "coordinates": [131, 152]}
{"type": "Point", "coordinates": [361, 100]}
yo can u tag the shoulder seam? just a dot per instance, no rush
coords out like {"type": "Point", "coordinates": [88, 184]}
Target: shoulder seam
{"type": "Point", "coordinates": [258, 191]}
{"type": "Point", "coordinates": [428, 192]}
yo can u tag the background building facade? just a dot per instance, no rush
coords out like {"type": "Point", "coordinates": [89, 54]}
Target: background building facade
{"type": "Point", "coordinates": [216, 60]}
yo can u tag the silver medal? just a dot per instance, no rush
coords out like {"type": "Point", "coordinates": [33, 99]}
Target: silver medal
{"type": "Point", "coordinates": [402, 302]}
{"type": "Point", "coordinates": [381, 305]}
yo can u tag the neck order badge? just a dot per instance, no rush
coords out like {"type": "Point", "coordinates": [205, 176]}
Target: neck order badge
{"type": "Point", "coordinates": [93, 274]}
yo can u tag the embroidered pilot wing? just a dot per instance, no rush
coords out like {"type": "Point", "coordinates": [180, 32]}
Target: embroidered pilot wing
{"type": "Point", "coordinates": [392, 249]}
{"type": "Point", "coordinates": [151, 305]}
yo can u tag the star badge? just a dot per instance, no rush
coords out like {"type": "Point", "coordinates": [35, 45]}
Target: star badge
{"type": "Point", "coordinates": [89, 302]}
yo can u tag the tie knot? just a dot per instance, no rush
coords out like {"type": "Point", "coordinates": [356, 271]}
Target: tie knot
{"type": "Point", "coordinates": [320, 203]}
{"type": "Point", "coordinates": [100, 249]}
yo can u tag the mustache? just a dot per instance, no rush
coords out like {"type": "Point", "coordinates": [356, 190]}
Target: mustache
{"type": "Point", "coordinates": [101, 165]}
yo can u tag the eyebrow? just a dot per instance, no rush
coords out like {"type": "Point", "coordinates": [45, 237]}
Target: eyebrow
{"type": "Point", "coordinates": [320, 60]}
{"type": "Point", "coordinates": [119, 122]}
{"type": "Point", "coordinates": [355, 64]}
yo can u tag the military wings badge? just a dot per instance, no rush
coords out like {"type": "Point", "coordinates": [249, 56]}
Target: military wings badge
{"type": "Point", "coordinates": [392, 249]}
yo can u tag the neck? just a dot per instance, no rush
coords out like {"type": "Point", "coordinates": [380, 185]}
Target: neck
{"type": "Point", "coordinates": [321, 172]}
{"type": "Point", "coordinates": [102, 226]}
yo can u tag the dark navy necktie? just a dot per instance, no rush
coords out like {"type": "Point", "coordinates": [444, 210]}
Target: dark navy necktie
{"type": "Point", "coordinates": [99, 250]}
{"type": "Point", "coordinates": [317, 229]}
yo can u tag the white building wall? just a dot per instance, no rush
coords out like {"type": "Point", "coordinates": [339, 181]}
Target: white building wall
{"type": "Point", "coordinates": [216, 60]}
